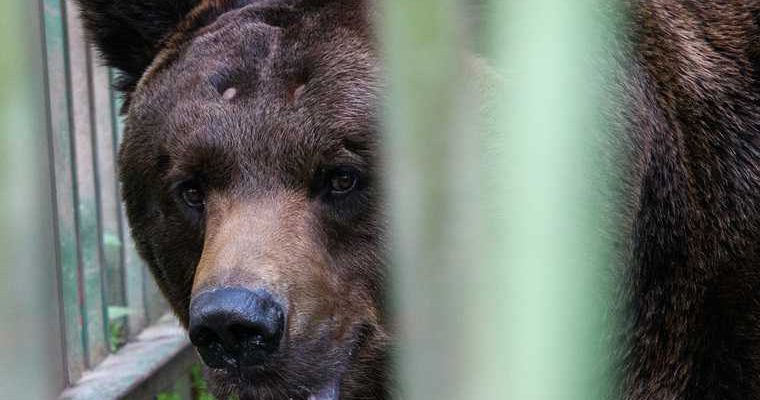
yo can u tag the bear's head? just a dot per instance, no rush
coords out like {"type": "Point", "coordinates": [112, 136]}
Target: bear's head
{"type": "Point", "coordinates": [249, 171]}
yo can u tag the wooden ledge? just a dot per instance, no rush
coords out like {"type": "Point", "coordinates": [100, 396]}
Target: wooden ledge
{"type": "Point", "coordinates": [159, 356]}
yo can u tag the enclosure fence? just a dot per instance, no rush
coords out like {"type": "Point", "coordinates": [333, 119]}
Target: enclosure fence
{"type": "Point", "coordinates": [102, 296]}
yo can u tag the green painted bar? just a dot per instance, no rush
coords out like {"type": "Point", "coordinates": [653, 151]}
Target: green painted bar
{"type": "Point", "coordinates": [500, 267]}
{"type": "Point", "coordinates": [91, 280]}
{"type": "Point", "coordinates": [110, 236]}
{"type": "Point", "coordinates": [31, 365]}
{"type": "Point", "coordinates": [118, 326]}
{"type": "Point", "coordinates": [433, 157]}
{"type": "Point", "coordinates": [545, 298]}
{"type": "Point", "coordinates": [110, 204]}
{"type": "Point", "coordinates": [155, 303]}
{"type": "Point", "coordinates": [117, 103]}
{"type": "Point", "coordinates": [61, 144]}
{"type": "Point", "coordinates": [134, 274]}
{"type": "Point", "coordinates": [134, 271]}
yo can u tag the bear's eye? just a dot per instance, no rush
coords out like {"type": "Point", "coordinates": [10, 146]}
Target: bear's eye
{"type": "Point", "coordinates": [193, 197]}
{"type": "Point", "coordinates": [343, 181]}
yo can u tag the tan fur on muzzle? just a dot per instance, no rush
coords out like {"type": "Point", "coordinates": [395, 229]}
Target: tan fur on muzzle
{"type": "Point", "coordinates": [268, 242]}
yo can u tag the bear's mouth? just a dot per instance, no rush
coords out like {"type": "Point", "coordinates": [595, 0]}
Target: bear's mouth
{"type": "Point", "coordinates": [269, 388]}
{"type": "Point", "coordinates": [259, 382]}
{"type": "Point", "coordinates": [331, 391]}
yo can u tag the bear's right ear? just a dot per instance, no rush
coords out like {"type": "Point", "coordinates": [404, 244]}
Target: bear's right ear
{"type": "Point", "coordinates": [128, 32]}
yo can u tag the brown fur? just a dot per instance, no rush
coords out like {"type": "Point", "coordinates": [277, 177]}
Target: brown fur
{"type": "Point", "coordinates": [694, 196]}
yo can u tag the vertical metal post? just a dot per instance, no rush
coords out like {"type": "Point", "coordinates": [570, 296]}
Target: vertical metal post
{"type": "Point", "coordinates": [133, 268]}
{"type": "Point", "coordinates": [548, 255]}
{"type": "Point", "coordinates": [432, 151]}
{"type": "Point", "coordinates": [500, 258]}
{"type": "Point", "coordinates": [30, 361]}
{"type": "Point", "coordinates": [109, 204]}
{"type": "Point", "coordinates": [62, 155]}
{"type": "Point", "coordinates": [88, 219]}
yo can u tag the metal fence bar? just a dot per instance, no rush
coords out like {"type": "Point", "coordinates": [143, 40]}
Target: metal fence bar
{"type": "Point", "coordinates": [110, 237]}
{"type": "Point", "coordinates": [547, 273]}
{"type": "Point", "coordinates": [30, 359]}
{"type": "Point", "coordinates": [134, 271]}
{"type": "Point", "coordinates": [131, 280]}
{"type": "Point", "coordinates": [62, 153]}
{"type": "Point", "coordinates": [155, 304]}
{"type": "Point", "coordinates": [91, 278]}
{"type": "Point", "coordinates": [433, 146]}
{"type": "Point", "coordinates": [498, 242]}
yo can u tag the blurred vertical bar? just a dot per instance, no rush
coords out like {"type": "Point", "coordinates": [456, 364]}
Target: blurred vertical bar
{"type": "Point", "coordinates": [433, 155]}
{"type": "Point", "coordinates": [546, 289]}
{"type": "Point", "coordinates": [500, 257]}
{"type": "Point", "coordinates": [30, 359]}
{"type": "Point", "coordinates": [90, 258]}
{"type": "Point", "coordinates": [62, 153]}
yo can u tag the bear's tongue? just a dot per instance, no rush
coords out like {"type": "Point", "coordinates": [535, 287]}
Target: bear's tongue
{"type": "Point", "coordinates": [329, 392]}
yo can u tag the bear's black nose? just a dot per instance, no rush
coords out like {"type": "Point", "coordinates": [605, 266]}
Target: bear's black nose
{"type": "Point", "coordinates": [235, 327]}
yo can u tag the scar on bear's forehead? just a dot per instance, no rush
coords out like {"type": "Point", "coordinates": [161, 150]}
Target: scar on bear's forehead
{"type": "Point", "coordinates": [224, 85]}
{"type": "Point", "coordinates": [297, 86]}
{"type": "Point", "coordinates": [229, 94]}
{"type": "Point", "coordinates": [221, 82]}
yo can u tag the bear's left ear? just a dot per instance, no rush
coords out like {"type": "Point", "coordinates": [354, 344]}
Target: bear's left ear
{"type": "Point", "coordinates": [128, 32]}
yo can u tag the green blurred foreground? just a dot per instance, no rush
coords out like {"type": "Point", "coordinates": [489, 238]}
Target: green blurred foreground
{"type": "Point", "coordinates": [28, 321]}
{"type": "Point", "coordinates": [498, 257]}
{"type": "Point", "coordinates": [500, 262]}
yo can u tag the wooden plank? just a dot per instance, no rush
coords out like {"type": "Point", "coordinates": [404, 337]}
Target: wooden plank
{"type": "Point", "coordinates": [150, 364]}
{"type": "Point", "coordinates": [134, 271]}
{"type": "Point", "coordinates": [90, 258]}
{"type": "Point", "coordinates": [62, 153]}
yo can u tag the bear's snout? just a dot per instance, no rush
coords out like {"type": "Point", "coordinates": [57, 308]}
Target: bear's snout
{"type": "Point", "coordinates": [235, 327]}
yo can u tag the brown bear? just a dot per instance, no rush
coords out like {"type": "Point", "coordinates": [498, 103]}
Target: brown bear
{"type": "Point", "coordinates": [250, 175]}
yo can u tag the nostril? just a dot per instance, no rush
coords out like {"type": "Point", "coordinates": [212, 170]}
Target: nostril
{"type": "Point", "coordinates": [203, 336]}
{"type": "Point", "coordinates": [243, 333]}
{"type": "Point", "coordinates": [211, 348]}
